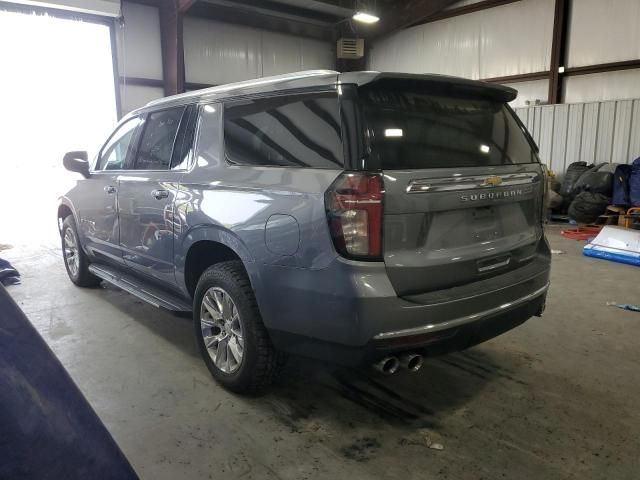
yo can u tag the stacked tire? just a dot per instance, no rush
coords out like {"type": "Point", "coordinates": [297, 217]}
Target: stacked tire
{"type": "Point", "coordinates": [588, 206]}
{"type": "Point", "coordinates": [573, 173]}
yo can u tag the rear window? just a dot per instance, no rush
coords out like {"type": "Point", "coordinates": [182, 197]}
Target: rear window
{"type": "Point", "coordinates": [414, 130]}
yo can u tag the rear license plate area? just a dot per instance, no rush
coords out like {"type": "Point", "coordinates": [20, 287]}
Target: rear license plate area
{"type": "Point", "coordinates": [484, 224]}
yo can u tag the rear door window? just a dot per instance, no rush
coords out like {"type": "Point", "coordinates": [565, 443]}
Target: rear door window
{"type": "Point", "coordinates": [300, 130]}
{"type": "Point", "coordinates": [158, 139]}
{"type": "Point", "coordinates": [416, 130]}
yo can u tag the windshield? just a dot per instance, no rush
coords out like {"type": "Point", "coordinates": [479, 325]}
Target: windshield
{"type": "Point", "coordinates": [414, 130]}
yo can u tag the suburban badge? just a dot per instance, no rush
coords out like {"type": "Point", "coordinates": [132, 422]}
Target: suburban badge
{"type": "Point", "coordinates": [474, 197]}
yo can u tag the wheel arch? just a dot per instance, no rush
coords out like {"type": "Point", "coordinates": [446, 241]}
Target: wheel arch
{"type": "Point", "coordinates": [207, 245]}
{"type": "Point", "coordinates": [65, 209]}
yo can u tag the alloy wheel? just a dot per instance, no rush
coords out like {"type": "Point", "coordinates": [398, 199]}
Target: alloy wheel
{"type": "Point", "coordinates": [71, 253]}
{"type": "Point", "coordinates": [221, 327]}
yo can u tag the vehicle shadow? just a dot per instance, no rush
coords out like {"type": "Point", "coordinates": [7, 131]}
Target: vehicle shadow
{"type": "Point", "coordinates": [311, 392]}
{"type": "Point", "coordinates": [175, 328]}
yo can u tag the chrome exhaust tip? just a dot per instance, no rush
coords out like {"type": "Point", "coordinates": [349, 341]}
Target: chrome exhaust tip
{"type": "Point", "coordinates": [411, 361]}
{"type": "Point", "coordinates": [387, 366]}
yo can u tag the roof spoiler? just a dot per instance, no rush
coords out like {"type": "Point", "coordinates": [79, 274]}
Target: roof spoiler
{"type": "Point", "coordinates": [434, 83]}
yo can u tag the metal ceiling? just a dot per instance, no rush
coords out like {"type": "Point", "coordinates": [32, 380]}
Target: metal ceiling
{"type": "Point", "coordinates": [339, 9]}
{"type": "Point", "coordinates": [320, 19]}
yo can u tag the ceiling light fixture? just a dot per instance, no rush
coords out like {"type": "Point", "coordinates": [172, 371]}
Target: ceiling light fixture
{"type": "Point", "coordinates": [364, 17]}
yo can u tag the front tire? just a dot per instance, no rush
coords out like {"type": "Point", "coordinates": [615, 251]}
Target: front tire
{"type": "Point", "coordinates": [229, 331]}
{"type": "Point", "coordinates": [75, 260]}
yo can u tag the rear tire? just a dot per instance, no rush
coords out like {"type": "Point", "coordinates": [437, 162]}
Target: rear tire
{"type": "Point", "coordinates": [232, 339]}
{"type": "Point", "coordinates": [75, 260]}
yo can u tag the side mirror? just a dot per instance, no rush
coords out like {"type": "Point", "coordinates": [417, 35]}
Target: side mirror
{"type": "Point", "coordinates": [77, 162]}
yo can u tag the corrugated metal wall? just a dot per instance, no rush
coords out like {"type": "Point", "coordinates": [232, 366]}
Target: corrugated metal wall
{"type": "Point", "coordinates": [591, 132]}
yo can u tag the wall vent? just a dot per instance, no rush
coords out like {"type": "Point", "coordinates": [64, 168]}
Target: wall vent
{"type": "Point", "coordinates": [351, 48]}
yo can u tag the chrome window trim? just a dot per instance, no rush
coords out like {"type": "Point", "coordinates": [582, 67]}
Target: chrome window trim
{"type": "Point", "coordinates": [453, 184]}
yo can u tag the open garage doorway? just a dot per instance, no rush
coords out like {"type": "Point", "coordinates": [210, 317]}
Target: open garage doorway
{"type": "Point", "coordinates": [57, 94]}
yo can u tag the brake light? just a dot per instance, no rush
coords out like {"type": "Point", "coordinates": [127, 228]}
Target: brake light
{"type": "Point", "coordinates": [354, 211]}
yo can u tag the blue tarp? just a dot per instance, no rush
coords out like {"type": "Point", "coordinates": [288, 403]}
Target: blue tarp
{"type": "Point", "coordinates": [48, 431]}
{"type": "Point", "coordinates": [8, 274]}
{"type": "Point", "coordinates": [615, 244]}
{"type": "Point", "coordinates": [634, 183]}
{"type": "Point", "coordinates": [613, 257]}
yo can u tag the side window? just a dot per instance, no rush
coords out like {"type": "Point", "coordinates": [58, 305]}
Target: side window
{"type": "Point", "coordinates": [300, 130]}
{"type": "Point", "coordinates": [158, 138]}
{"type": "Point", "coordinates": [113, 155]}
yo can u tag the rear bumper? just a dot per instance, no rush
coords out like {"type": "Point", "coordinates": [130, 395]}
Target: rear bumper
{"type": "Point", "coordinates": [464, 320]}
{"type": "Point", "coordinates": [350, 313]}
{"type": "Point", "coordinates": [430, 344]}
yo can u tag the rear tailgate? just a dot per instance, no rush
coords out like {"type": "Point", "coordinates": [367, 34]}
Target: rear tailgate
{"type": "Point", "coordinates": [444, 228]}
{"type": "Point", "coordinates": [463, 185]}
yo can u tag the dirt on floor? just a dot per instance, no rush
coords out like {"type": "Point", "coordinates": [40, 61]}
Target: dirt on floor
{"type": "Point", "coordinates": [556, 398]}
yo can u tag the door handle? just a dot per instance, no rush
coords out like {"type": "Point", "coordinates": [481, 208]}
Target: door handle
{"type": "Point", "coordinates": [159, 194]}
{"type": "Point", "coordinates": [110, 189]}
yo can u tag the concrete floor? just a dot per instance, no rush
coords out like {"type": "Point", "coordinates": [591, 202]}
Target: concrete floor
{"type": "Point", "coordinates": [556, 398]}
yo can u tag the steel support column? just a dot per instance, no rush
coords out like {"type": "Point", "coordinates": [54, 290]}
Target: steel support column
{"type": "Point", "coordinates": [558, 50]}
{"type": "Point", "coordinates": [172, 47]}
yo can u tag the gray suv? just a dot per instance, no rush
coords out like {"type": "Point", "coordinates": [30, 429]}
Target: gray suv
{"type": "Point", "coordinates": [360, 218]}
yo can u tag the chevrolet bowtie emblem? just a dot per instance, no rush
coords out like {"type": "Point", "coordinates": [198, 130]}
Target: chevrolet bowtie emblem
{"type": "Point", "coordinates": [493, 180]}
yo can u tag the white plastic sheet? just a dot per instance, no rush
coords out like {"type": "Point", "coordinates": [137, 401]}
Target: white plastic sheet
{"type": "Point", "coordinates": [109, 8]}
{"type": "Point", "coordinates": [138, 42]}
{"type": "Point", "coordinates": [530, 91]}
{"type": "Point", "coordinates": [284, 53]}
{"type": "Point", "coordinates": [603, 86]}
{"type": "Point", "coordinates": [136, 96]}
{"type": "Point", "coordinates": [603, 31]}
{"type": "Point", "coordinates": [507, 40]}
{"type": "Point", "coordinates": [218, 53]}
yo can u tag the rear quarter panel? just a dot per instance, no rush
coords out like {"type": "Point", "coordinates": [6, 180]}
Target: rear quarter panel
{"type": "Point", "coordinates": [231, 204]}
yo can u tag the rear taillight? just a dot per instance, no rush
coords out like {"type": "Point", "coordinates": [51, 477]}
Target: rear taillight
{"type": "Point", "coordinates": [545, 193]}
{"type": "Point", "coordinates": [354, 212]}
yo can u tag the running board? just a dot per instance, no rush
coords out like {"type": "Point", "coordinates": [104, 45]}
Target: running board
{"type": "Point", "coordinates": [128, 283]}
